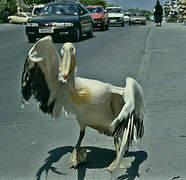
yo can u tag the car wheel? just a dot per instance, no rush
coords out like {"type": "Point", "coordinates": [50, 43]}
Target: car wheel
{"type": "Point", "coordinates": [91, 32]}
{"type": "Point", "coordinates": [144, 23]}
{"type": "Point", "coordinates": [10, 21]}
{"type": "Point", "coordinates": [31, 39]}
{"type": "Point", "coordinates": [122, 24]}
{"type": "Point", "coordinates": [78, 34]}
{"type": "Point", "coordinates": [130, 23]}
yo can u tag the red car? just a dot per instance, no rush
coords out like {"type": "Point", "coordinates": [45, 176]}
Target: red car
{"type": "Point", "coordinates": [100, 16]}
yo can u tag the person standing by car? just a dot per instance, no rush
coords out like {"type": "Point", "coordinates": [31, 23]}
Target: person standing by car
{"type": "Point", "coordinates": [158, 13]}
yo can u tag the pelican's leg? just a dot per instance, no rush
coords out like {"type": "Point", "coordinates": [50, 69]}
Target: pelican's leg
{"type": "Point", "coordinates": [116, 144]}
{"type": "Point", "coordinates": [112, 165]}
{"type": "Point", "coordinates": [79, 153]}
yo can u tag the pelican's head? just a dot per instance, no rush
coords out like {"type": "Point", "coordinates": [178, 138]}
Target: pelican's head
{"type": "Point", "coordinates": [68, 62]}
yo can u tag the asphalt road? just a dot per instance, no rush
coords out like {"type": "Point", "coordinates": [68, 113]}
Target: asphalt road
{"type": "Point", "coordinates": [35, 146]}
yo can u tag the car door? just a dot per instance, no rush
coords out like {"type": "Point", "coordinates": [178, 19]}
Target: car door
{"type": "Point", "coordinates": [15, 18]}
{"type": "Point", "coordinates": [85, 19]}
{"type": "Point", "coordinates": [18, 18]}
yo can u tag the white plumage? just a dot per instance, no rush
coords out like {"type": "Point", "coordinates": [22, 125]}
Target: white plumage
{"type": "Point", "coordinates": [114, 111]}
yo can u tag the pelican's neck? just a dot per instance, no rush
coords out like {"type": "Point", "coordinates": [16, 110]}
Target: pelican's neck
{"type": "Point", "coordinates": [71, 81]}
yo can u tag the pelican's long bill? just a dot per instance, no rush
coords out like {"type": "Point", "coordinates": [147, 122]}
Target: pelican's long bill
{"type": "Point", "coordinates": [67, 64]}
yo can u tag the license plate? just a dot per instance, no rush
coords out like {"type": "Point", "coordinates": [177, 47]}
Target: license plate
{"type": "Point", "coordinates": [46, 31]}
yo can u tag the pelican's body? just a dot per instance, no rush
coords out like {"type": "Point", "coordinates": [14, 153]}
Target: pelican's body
{"type": "Point", "coordinates": [111, 110]}
{"type": "Point", "coordinates": [94, 104]}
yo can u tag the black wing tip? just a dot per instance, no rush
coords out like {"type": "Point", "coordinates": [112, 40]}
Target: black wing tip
{"type": "Point", "coordinates": [34, 85]}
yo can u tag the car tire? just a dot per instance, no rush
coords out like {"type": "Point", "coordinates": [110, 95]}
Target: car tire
{"type": "Point", "coordinates": [78, 34]}
{"type": "Point", "coordinates": [10, 21]}
{"type": "Point", "coordinates": [122, 24]}
{"type": "Point", "coordinates": [144, 23]}
{"type": "Point", "coordinates": [31, 39]}
{"type": "Point", "coordinates": [130, 23]}
{"type": "Point", "coordinates": [91, 32]}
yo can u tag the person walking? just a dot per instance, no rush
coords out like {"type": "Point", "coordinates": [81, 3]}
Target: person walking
{"type": "Point", "coordinates": [158, 13]}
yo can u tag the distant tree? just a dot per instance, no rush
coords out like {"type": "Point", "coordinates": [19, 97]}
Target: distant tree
{"type": "Point", "coordinates": [7, 7]}
{"type": "Point", "coordinates": [31, 2]}
{"type": "Point", "coordinates": [94, 2]}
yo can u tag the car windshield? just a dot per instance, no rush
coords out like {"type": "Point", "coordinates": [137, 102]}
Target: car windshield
{"type": "Point", "coordinates": [95, 10]}
{"type": "Point", "coordinates": [114, 10]}
{"type": "Point", "coordinates": [59, 9]}
{"type": "Point", "coordinates": [127, 14]}
{"type": "Point", "coordinates": [138, 14]}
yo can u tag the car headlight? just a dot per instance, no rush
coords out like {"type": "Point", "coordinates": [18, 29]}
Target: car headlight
{"type": "Point", "coordinates": [32, 24]}
{"type": "Point", "coordinates": [65, 24]}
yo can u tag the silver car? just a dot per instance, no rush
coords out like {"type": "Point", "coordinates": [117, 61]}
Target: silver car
{"type": "Point", "coordinates": [137, 18]}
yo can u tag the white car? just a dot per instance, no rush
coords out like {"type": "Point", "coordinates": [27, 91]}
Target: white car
{"type": "Point", "coordinates": [116, 15]}
{"type": "Point", "coordinates": [137, 18]}
{"type": "Point", "coordinates": [19, 18]}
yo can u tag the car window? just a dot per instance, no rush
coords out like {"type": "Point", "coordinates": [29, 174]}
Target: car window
{"type": "Point", "coordinates": [91, 9]}
{"type": "Point", "coordinates": [95, 9]}
{"type": "Point", "coordinates": [114, 10]}
{"type": "Point", "coordinates": [59, 9]}
{"type": "Point", "coordinates": [138, 14]}
{"type": "Point", "coordinates": [127, 14]}
{"type": "Point", "coordinates": [99, 10]}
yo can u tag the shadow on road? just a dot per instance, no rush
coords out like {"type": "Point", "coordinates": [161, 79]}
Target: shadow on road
{"type": "Point", "coordinates": [132, 172]}
{"type": "Point", "coordinates": [97, 158]}
{"type": "Point", "coordinates": [54, 156]}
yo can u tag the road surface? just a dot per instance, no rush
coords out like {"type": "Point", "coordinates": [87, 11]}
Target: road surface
{"type": "Point", "coordinates": [35, 146]}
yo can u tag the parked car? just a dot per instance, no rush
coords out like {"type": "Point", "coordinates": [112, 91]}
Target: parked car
{"type": "Point", "coordinates": [19, 18]}
{"type": "Point", "coordinates": [116, 15]}
{"type": "Point", "coordinates": [137, 18]}
{"type": "Point", "coordinates": [100, 16]}
{"type": "Point", "coordinates": [61, 19]}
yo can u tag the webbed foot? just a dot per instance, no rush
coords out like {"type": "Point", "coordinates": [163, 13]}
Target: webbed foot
{"type": "Point", "coordinates": [78, 156]}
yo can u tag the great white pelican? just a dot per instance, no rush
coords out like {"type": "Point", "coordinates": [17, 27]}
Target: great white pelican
{"type": "Point", "coordinates": [114, 111]}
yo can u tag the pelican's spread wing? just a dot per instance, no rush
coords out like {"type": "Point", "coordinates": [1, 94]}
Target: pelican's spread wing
{"type": "Point", "coordinates": [40, 77]}
{"type": "Point", "coordinates": [130, 119]}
